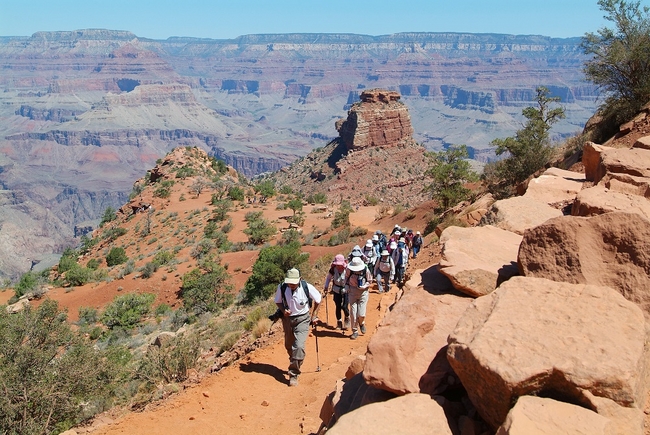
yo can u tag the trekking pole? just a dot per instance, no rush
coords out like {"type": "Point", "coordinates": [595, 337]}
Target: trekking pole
{"type": "Point", "coordinates": [327, 311]}
{"type": "Point", "coordinates": [317, 357]}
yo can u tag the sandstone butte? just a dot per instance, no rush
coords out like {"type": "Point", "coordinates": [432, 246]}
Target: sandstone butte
{"type": "Point", "coordinates": [536, 351]}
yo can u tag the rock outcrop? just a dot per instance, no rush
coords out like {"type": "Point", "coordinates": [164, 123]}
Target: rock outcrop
{"type": "Point", "coordinates": [423, 414]}
{"type": "Point", "coordinates": [533, 336]}
{"type": "Point", "coordinates": [477, 259]}
{"type": "Point", "coordinates": [418, 364]}
{"type": "Point", "coordinates": [609, 249]}
{"type": "Point", "coordinates": [519, 213]}
{"type": "Point", "coordinates": [379, 120]}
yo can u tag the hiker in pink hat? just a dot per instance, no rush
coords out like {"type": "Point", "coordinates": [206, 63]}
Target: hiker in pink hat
{"type": "Point", "coordinates": [336, 276]}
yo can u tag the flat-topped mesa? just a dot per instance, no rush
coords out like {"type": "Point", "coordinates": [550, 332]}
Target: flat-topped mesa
{"type": "Point", "coordinates": [380, 119]}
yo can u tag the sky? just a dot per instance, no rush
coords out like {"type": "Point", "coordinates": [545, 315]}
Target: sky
{"type": "Point", "coordinates": [218, 19]}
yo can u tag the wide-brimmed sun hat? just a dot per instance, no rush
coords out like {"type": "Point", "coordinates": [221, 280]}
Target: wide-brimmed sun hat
{"type": "Point", "coordinates": [339, 260]}
{"type": "Point", "coordinates": [385, 252]}
{"type": "Point", "coordinates": [369, 243]}
{"type": "Point", "coordinates": [292, 276]}
{"type": "Point", "coordinates": [356, 265]}
{"type": "Point", "coordinates": [375, 238]}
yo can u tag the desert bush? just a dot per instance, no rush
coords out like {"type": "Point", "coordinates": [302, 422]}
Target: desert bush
{"type": "Point", "coordinates": [382, 212]}
{"type": "Point", "coordinates": [68, 260]}
{"type": "Point", "coordinates": [163, 257]}
{"type": "Point", "coordinates": [371, 200]}
{"type": "Point", "coordinates": [79, 275]}
{"type": "Point", "coordinates": [148, 270]}
{"type": "Point", "coordinates": [116, 256]}
{"type": "Point", "coordinates": [202, 249]}
{"type": "Point", "coordinates": [170, 362]}
{"type": "Point", "coordinates": [261, 327]}
{"type": "Point", "coordinates": [207, 288]}
{"type": "Point", "coordinates": [270, 268]}
{"type": "Point", "coordinates": [229, 341]}
{"type": "Point", "coordinates": [317, 198]}
{"type": "Point", "coordinates": [112, 234]}
{"type": "Point", "coordinates": [128, 310]}
{"type": "Point", "coordinates": [259, 231]}
{"type": "Point", "coordinates": [358, 231]}
{"type": "Point", "coordinates": [108, 216]}
{"type": "Point", "coordinates": [93, 264]}
{"type": "Point", "coordinates": [88, 315]}
{"type": "Point", "coordinates": [339, 238]}
{"type": "Point", "coordinates": [236, 193]}
{"type": "Point", "coordinates": [397, 209]}
{"type": "Point", "coordinates": [51, 377]}
{"type": "Point", "coordinates": [342, 215]}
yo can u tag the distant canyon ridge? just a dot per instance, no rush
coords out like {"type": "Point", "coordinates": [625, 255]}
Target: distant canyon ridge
{"type": "Point", "coordinates": [83, 114]}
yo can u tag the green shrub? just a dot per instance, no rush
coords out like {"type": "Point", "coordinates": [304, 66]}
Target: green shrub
{"type": "Point", "coordinates": [148, 270]}
{"type": "Point", "coordinates": [342, 215]}
{"type": "Point", "coordinates": [113, 233]}
{"type": "Point", "coordinates": [270, 268]}
{"type": "Point", "coordinates": [163, 257]}
{"type": "Point", "coordinates": [109, 216]}
{"type": "Point", "coordinates": [28, 282]}
{"type": "Point", "coordinates": [128, 310]}
{"type": "Point", "coordinates": [170, 362]}
{"type": "Point", "coordinates": [236, 193]}
{"type": "Point", "coordinates": [78, 275]}
{"type": "Point", "coordinates": [317, 198]}
{"type": "Point", "coordinates": [116, 256]}
{"type": "Point", "coordinates": [93, 264]}
{"type": "Point", "coordinates": [206, 289]}
{"type": "Point", "coordinates": [259, 231]}
{"type": "Point", "coordinates": [68, 260]}
{"type": "Point", "coordinates": [51, 377]}
{"type": "Point", "coordinates": [88, 315]}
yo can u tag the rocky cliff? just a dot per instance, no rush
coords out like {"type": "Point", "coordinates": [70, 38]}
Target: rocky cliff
{"type": "Point", "coordinates": [374, 158]}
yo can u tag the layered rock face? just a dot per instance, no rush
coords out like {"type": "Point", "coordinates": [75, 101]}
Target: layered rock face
{"type": "Point", "coordinates": [374, 158]}
{"type": "Point", "coordinates": [379, 120]}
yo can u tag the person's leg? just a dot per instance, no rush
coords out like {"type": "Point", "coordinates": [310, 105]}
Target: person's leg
{"type": "Point", "coordinates": [361, 308]}
{"type": "Point", "coordinates": [338, 298]}
{"type": "Point", "coordinates": [288, 335]}
{"type": "Point", "coordinates": [378, 278]}
{"type": "Point", "coordinates": [386, 277]}
{"type": "Point", "coordinates": [354, 305]}
{"type": "Point", "coordinates": [345, 306]}
{"type": "Point", "coordinates": [300, 333]}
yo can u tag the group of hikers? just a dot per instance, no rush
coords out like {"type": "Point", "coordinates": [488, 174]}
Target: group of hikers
{"type": "Point", "coordinates": [384, 259]}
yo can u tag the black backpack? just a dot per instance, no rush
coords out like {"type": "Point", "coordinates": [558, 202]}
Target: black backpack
{"type": "Point", "coordinates": [303, 283]}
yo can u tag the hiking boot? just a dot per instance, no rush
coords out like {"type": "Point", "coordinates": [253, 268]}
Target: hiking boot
{"type": "Point", "coordinates": [339, 324]}
{"type": "Point", "coordinates": [354, 335]}
{"type": "Point", "coordinates": [346, 324]}
{"type": "Point", "coordinates": [363, 328]}
{"type": "Point", "coordinates": [293, 381]}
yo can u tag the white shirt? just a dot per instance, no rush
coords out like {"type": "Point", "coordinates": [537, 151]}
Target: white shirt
{"type": "Point", "coordinates": [297, 301]}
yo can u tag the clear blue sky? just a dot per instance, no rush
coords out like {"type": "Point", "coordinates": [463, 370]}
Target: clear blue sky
{"type": "Point", "coordinates": [217, 19]}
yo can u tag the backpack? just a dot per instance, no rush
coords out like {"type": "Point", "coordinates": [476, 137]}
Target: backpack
{"type": "Point", "coordinates": [361, 274]}
{"type": "Point", "coordinates": [382, 242]}
{"type": "Point", "coordinates": [384, 265]}
{"type": "Point", "coordinates": [338, 279]}
{"type": "Point", "coordinates": [303, 283]}
{"type": "Point", "coordinates": [402, 257]}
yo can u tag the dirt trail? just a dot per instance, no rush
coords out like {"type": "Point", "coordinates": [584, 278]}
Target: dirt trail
{"type": "Point", "coordinates": [253, 396]}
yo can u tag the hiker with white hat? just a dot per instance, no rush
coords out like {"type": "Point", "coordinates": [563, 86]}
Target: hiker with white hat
{"type": "Point", "coordinates": [294, 300]}
{"type": "Point", "coordinates": [384, 271]}
{"type": "Point", "coordinates": [358, 279]}
{"type": "Point", "coordinates": [370, 254]}
{"type": "Point", "coordinates": [336, 276]}
{"type": "Point", "coordinates": [401, 258]}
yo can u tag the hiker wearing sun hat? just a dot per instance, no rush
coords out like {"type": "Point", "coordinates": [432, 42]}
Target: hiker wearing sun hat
{"type": "Point", "coordinates": [336, 276]}
{"type": "Point", "coordinates": [358, 279]}
{"type": "Point", "coordinates": [384, 271]}
{"type": "Point", "coordinates": [294, 299]}
{"type": "Point", "coordinates": [370, 253]}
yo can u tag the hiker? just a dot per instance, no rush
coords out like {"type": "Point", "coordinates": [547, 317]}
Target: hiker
{"type": "Point", "coordinates": [400, 258]}
{"type": "Point", "coordinates": [394, 237]}
{"type": "Point", "coordinates": [409, 239]}
{"type": "Point", "coordinates": [417, 244]}
{"type": "Point", "coordinates": [391, 247]}
{"type": "Point", "coordinates": [294, 298]}
{"type": "Point", "coordinates": [375, 245]}
{"type": "Point", "coordinates": [382, 241]}
{"type": "Point", "coordinates": [336, 276]}
{"type": "Point", "coordinates": [384, 270]}
{"type": "Point", "coordinates": [357, 282]}
{"type": "Point", "coordinates": [370, 254]}
{"type": "Point", "coordinates": [395, 229]}
{"type": "Point", "coordinates": [357, 252]}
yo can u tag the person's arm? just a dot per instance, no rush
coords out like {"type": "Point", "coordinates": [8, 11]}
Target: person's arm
{"type": "Point", "coordinates": [316, 297]}
{"type": "Point", "coordinates": [327, 282]}
{"type": "Point", "coordinates": [280, 303]}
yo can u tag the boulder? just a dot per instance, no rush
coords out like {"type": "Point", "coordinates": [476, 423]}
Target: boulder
{"type": "Point", "coordinates": [533, 336]}
{"type": "Point", "coordinates": [415, 414]}
{"type": "Point", "coordinates": [626, 183]}
{"type": "Point", "coordinates": [407, 353]}
{"type": "Point", "coordinates": [541, 416]}
{"type": "Point", "coordinates": [355, 367]}
{"type": "Point", "coordinates": [635, 161]}
{"type": "Point", "coordinates": [598, 200]}
{"type": "Point", "coordinates": [519, 213]}
{"type": "Point", "coordinates": [610, 249]}
{"type": "Point", "coordinates": [591, 158]}
{"type": "Point", "coordinates": [642, 142]}
{"type": "Point", "coordinates": [555, 186]}
{"type": "Point", "coordinates": [477, 259]}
